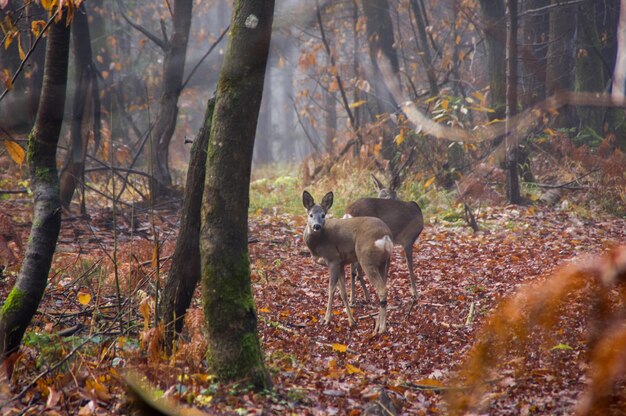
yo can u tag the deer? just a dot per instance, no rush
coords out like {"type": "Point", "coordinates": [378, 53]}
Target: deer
{"type": "Point", "coordinates": [339, 242]}
{"type": "Point", "coordinates": [404, 219]}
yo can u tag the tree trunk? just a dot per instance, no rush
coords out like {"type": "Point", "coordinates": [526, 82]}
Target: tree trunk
{"type": "Point", "coordinates": [185, 271]}
{"type": "Point", "coordinates": [380, 38]}
{"type": "Point", "coordinates": [23, 300]}
{"type": "Point", "coordinates": [264, 136]}
{"type": "Point", "coordinates": [82, 108]}
{"type": "Point", "coordinates": [420, 21]}
{"type": "Point", "coordinates": [534, 28]}
{"type": "Point", "coordinates": [173, 69]}
{"type": "Point", "coordinates": [512, 146]}
{"type": "Point", "coordinates": [331, 120]}
{"type": "Point", "coordinates": [590, 71]}
{"type": "Point", "coordinates": [234, 349]}
{"type": "Point", "coordinates": [560, 69]}
{"type": "Point", "coordinates": [495, 32]}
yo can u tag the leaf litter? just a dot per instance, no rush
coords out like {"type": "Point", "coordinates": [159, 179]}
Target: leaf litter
{"type": "Point", "coordinates": [316, 369]}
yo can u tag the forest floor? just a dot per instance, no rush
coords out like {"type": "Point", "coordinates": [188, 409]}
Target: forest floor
{"type": "Point", "coordinates": [76, 348]}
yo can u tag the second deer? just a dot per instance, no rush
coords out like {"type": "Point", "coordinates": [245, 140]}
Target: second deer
{"type": "Point", "coordinates": [404, 219]}
{"type": "Point", "coordinates": [344, 241]}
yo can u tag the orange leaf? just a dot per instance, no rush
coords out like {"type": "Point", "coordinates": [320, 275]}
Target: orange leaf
{"type": "Point", "coordinates": [144, 308]}
{"type": "Point", "coordinates": [429, 182]}
{"type": "Point", "coordinates": [340, 347]}
{"type": "Point", "coordinates": [357, 104]}
{"type": "Point", "coordinates": [15, 151]}
{"type": "Point", "coordinates": [36, 26]}
{"type": "Point", "coordinates": [83, 298]}
{"type": "Point", "coordinates": [19, 48]}
{"type": "Point", "coordinates": [353, 370]}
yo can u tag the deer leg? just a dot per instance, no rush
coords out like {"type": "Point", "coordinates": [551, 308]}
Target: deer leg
{"type": "Point", "coordinates": [344, 296]}
{"type": "Point", "coordinates": [332, 285]}
{"type": "Point", "coordinates": [357, 271]}
{"type": "Point", "coordinates": [378, 277]}
{"type": "Point", "coordinates": [408, 252]}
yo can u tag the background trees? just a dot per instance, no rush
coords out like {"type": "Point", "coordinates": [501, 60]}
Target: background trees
{"type": "Point", "coordinates": [451, 100]}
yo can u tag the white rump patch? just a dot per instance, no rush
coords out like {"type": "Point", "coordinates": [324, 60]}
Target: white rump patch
{"type": "Point", "coordinates": [346, 216]}
{"type": "Point", "coordinates": [384, 243]}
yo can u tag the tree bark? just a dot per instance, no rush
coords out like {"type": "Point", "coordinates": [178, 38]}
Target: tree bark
{"type": "Point", "coordinates": [173, 69]}
{"type": "Point", "coordinates": [420, 21]}
{"type": "Point", "coordinates": [590, 70]}
{"type": "Point", "coordinates": [381, 40]}
{"type": "Point", "coordinates": [23, 300]}
{"type": "Point", "coordinates": [264, 136]}
{"type": "Point", "coordinates": [185, 271]}
{"type": "Point", "coordinates": [234, 351]}
{"type": "Point", "coordinates": [512, 145]}
{"type": "Point", "coordinates": [493, 12]}
{"type": "Point", "coordinates": [534, 33]}
{"type": "Point", "coordinates": [561, 63]}
{"type": "Point", "coordinates": [85, 98]}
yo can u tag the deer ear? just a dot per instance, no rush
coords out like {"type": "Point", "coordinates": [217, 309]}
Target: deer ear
{"type": "Point", "coordinates": [307, 200]}
{"type": "Point", "coordinates": [378, 184]}
{"type": "Point", "coordinates": [327, 201]}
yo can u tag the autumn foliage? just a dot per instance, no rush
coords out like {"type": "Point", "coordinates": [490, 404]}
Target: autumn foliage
{"type": "Point", "coordinates": [538, 307]}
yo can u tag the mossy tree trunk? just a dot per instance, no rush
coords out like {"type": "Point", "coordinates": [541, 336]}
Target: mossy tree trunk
{"type": "Point", "coordinates": [234, 351]}
{"type": "Point", "coordinates": [23, 300]}
{"type": "Point", "coordinates": [85, 99]}
{"type": "Point", "coordinates": [173, 69]}
{"type": "Point", "coordinates": [185, 271]}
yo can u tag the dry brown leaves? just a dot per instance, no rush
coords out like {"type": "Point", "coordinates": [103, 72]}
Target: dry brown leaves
{"type": "Point", "coordinates": [334, 369]}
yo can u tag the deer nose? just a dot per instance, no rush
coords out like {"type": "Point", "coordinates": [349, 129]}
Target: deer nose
{"type": "Point", "coordinates": [317, 227]}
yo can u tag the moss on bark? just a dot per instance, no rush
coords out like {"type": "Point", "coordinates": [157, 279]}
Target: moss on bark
{"type": "Point", "coordinates": [234, 351]}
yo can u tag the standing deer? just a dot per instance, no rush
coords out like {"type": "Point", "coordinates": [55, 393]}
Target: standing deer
{"type": "Point", "coordinates": [344, 241]}
{"type": "Point", "coordinates": [404, 219]}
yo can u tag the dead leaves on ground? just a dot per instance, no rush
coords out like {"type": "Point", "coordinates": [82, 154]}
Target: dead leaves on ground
{"type": "Point", "coordinates": [335, 369]}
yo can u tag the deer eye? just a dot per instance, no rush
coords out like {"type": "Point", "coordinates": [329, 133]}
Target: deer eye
{"type": "Point", "coordinates": [323, 215]}
{"type": "Point", "coordinates": [311, 215]}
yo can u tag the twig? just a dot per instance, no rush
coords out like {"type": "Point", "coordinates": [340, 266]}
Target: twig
{"type": "Point", "coordinates": [470, 314]}
{"type": "Point", "coordinates": [30, 51]}
{"type": "Point", "coordinates": [278, 325]}
{"type": "Point", "coordinates": [163, 44]}
{"type": "Point", "coordinates": [469, 217]}
{"type": "Point", "coordinates": [566, 184]}
{"type": "Point", "coordinates": [13, 191]}
{"type": "Point", "coordinates": [193, 71]}
{"type": "Point", "coordinates": [306, 132]}
{"type": "Point", "coordinates": [49, 370]}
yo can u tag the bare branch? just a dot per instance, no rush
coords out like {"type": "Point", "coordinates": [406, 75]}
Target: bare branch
{"type": "Point", "coordinates": [161, 43]}
{"type": "Point", "coordinates": [193, 71]}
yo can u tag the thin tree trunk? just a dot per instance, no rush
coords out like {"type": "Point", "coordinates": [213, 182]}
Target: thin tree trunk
{"type": "Point", "coordinates": [561, 63]}
{"type": "Point", "coordinates": [420, 21]}
{"type": "Point", "coordinates": [534, 33]}
{"type": "Point", "coordinates": [23, 300]}
{"type": "Point", "coordinates": [263, 142]}
{"type": "Point", "coordinates": [185, 271]}
{"type": "Point", "coordinates": [381, 40]}
{"type": "Point", "coordinates": [512, 146]}
{"type": "Point", "coordinates": [72, 172]}
{"type": "Point", "coordinates": [589, 66]}
{"type": "Point", "coordinates": [493, 12]}
{"type": "Point", "coordinates": [234, 350]}
{"type": "Point", "coordinates": [173, 69]}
